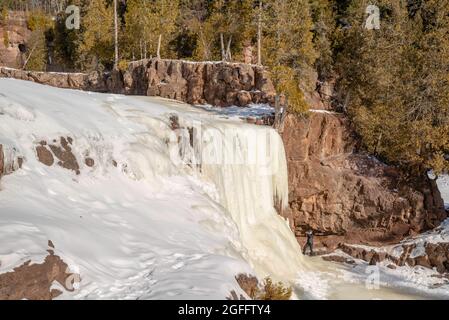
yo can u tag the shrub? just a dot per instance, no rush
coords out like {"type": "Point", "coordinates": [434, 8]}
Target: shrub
{"type": "Point", "coordinates": [287, 85]}
{"type": "Point", "coordinates": [268, 290]}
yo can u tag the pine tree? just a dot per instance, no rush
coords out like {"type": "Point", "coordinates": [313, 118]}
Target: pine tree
{"type": "Point", "coordinates": [233, 26]}
{"type": "Point", "coordinates": [323, 16]}
{"type": "Point", "coordinates": [196, 20]}
{"type": "Point", "coordinates": [96, 47]}
{"type": "Point", "coordinates": [36, 54]}
{"type": "Point", "coordinates": [395, 82]}
{"type": "Point", "coordinates": [288, 49]}
{"type": "Point", "coordinates": [288, 36]}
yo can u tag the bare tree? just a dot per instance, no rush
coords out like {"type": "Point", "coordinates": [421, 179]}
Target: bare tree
{"type": "Point", "coordinates": [115, 36]}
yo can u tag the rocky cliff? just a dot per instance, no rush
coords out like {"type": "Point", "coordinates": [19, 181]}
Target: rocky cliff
{"type": "Point", "coordinates": [346, 196]}
{"type": "Point", "coordinates": [215, 83]}
{"type": "Point", "coordinates": [13, 34]}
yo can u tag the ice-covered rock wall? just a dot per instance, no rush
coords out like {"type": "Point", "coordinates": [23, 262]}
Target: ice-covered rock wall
{"type": "Point", "coordinates": [248, 167]}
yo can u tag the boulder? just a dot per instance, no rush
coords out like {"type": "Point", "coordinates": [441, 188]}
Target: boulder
{"type": "Point", "coordinates": [89, 162]}
{"type": "Point", "coordinates": [65, 155]}
{"type": "Point", "coordinates": [44, 155]}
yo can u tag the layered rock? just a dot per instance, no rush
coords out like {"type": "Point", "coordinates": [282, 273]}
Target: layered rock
{"type": "Point", "coordinates": [215, 83]}
{"type": "Point", "coordinates": [218, 84]}
{"type": "Point", "coordinates": [348, 197]}
{"type": "Point", "coordinates": [92, 82]}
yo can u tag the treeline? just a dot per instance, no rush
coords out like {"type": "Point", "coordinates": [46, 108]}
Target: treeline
{"type": "Point", "coordinates": [393, 81]}
{"type": "Point", "coordinates": [47, 6]}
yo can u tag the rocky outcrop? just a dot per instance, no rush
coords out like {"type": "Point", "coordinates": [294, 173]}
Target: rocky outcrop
{"type": "Point", "coordinates": [62, 151]}
{"type": "Point", "coordinates": [348, 197]}
{"type": "Point", "coordinates": [92, 82]}
{"type": "Point", "coordinates": [12, 35]}
{"type": "Point", "coordinates": [215, 83]}
{"type": "Point", "coordinates": [34, 281]}
{"type": "Point", "coordinates": [432, 255]}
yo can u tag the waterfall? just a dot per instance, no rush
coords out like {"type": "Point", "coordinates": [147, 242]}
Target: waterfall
{"type": "Point", "coordinates": [247, 165]}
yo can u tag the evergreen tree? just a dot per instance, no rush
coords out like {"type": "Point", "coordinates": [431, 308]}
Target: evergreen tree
{"type": "Point", "coordinates": [36, 54]}
{"type": "Point", "coordinates": [394, 82]}
{"type": "Point", "coordinates": [195, 19]}
{"type": "Point", "coordinates": [96, 47]}
{"type": "Point", "coordinates": [324, 21]}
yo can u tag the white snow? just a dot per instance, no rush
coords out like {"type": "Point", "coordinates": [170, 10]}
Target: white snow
{"type": "Point", "coordinates": [153, 227]}
{"type": "Point", "coordinates": [180, 216]}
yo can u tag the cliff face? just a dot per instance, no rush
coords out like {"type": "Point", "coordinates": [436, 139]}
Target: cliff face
{"type": "Point", "coordinates": [11, 36]}
{"type": "Point", "coordinates": [218, 84]}
{"type": "Point", "coordinates": [345, 196]}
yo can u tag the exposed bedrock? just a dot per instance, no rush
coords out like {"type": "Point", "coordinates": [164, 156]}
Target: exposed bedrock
{"type": "Point", "coordinates": [215, 83]}
{"type": "Point", "coordinates": [346, 196]}
{"type": "Point", "coordinates": [430, 255]}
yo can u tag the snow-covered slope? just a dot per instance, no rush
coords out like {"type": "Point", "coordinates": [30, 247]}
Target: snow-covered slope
{"type": "Point", "coordinates": [153, 226]}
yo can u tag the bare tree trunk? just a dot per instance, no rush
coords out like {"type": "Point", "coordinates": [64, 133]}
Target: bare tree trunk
{"type": "Point", "coordinates": [141, 49]}
{"type": "Point", "coordinates": [228, 50]}
{"type": "Point", "coordinates": [29, 56]}
{"type": "Point", "coordinates": [259, 35]}
{"type": "Point", "coordinates": [159, 46]}
{"type": "Point", "coordinates": [115, 35]}
{"type": "Point", "coordinates": [223, 54]}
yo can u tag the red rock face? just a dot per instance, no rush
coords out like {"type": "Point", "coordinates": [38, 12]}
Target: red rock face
{"type": "Point", "coordinates": [349, 197]}
{"type": "Point", "coordinates": [34, 281]}
{"type": "Point", "coordinates": [17, 33]}
{"type": "Point", "coordinates": [219, 84]}
{"type": "Point", "coordinates": [47, 154]}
